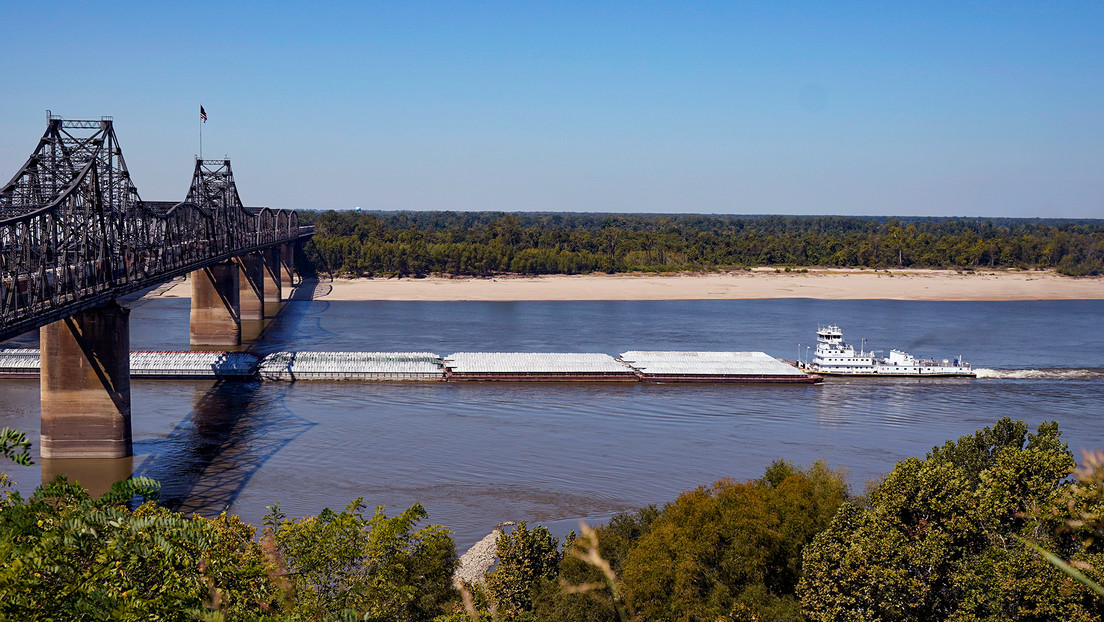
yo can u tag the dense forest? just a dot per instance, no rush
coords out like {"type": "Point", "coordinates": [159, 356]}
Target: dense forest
{"type": "Point", "coordinates": [988, 527]}
{"type": "Point", "coordinates": [487, 243]}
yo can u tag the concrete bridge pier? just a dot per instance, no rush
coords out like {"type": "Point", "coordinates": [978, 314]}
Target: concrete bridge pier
{"type": "Point", "coordinates": [85, 385]}
{"type": "Point", "coordinates": [272, 281]}
{"type": "Point", "coordinates": [215, 314]}
{"type": "Point", "coordinates": [251, 294]}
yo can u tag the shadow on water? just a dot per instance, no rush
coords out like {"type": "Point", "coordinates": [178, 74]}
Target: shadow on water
{"type": "Point", "coordinates": [301, 308]}
{"type": "Point", "coordinates": [233, 430]}
{"type": "Point", "coordinates": [209, 457]}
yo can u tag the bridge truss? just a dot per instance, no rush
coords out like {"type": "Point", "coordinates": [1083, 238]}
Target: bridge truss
{"type": "Point", "coordinates": [74, 233]}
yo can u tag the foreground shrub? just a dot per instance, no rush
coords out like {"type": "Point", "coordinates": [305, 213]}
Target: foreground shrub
{"type": "Point", "coordinates": [727, 551]}
{"type": "Point", "coordinates": [67, 556]}
{"type": "Point", "coordinates": [943, 538]}
{"type": "Point", "coordinates": [526, 557]}
{"type": "Point", "coordinates": [378, 568]}
{"type": "Point", "coordinates": [732, 547]}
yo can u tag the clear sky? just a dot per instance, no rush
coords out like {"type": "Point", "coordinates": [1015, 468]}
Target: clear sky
{"type": "Point", "coordinates": [882, 108]}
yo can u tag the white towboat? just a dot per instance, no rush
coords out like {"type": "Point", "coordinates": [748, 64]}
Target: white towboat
{"type": "Point", "coordinates": [836, 358]}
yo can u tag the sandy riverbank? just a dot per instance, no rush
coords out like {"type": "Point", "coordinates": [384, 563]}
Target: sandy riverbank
{"type": "Point", "coordinates": [760, 283]}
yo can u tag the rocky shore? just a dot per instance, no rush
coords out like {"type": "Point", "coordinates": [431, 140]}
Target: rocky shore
{"type": "Point", "coordinates": [479, 559]}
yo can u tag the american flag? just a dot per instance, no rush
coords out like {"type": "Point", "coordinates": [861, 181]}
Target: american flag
{"type": "Point", "coordinates": [202, 114]}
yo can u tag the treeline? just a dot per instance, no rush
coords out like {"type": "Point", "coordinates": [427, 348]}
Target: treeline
{"type": "Point", "coordinates": [976, 530]}
{"type": "Point", "coordinates": [487, 243]}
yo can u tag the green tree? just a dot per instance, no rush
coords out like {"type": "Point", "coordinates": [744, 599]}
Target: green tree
{"type": "Point", "coordinates": [941, 538]}
{"type": "Point", "coordinates": [525, 558]}
{"type": "Point", "coordinates": [732, 548]}
{"type": "Point", "coordinates": [381, 568]}
{"type": "Point", "coordinates": [580, 594]}
{"type": "Point", "coordinates": [484, 243]}
{"type": "Point", "coordinates": [67, 556]}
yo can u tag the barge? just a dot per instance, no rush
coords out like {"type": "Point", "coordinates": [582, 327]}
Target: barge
{"type": "Point", "coordinates": [26, 363]}
{"type": "Point", "coordinates": [633, 366]}
{"type": "Point", "coordinates": [536, 367]}
{"type": "Point", "coordinates": [193, 365]}
{"type": "Point", "coordinates": [400, 366]}
{"type": "Point", "coordinates": [747, 367]}
{"type": "Point", "coordinates": [19, 363]}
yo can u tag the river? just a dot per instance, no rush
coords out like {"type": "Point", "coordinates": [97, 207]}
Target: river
{"type": "Point", "coordinates": [476, 454]}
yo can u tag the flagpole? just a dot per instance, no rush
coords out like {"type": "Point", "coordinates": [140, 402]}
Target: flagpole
{"type": "Point", "coordinates": [201, 134]}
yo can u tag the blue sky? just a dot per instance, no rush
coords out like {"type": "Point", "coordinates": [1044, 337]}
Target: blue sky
{"type": "Point", "coordinates": [945, 109]}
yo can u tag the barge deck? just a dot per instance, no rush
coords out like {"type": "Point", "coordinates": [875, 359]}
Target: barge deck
{"type": "Point", "coordinates": [634, 366]}
{"type": "Point", "coordinates": [679, 366]}
{"type": "Point", "coordinates": [183, 365]}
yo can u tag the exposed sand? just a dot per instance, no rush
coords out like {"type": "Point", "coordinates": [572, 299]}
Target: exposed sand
{"type": "Point", "coordinates": [760, 283]}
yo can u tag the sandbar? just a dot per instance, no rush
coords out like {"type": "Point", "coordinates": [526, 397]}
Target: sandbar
{"type": "Point", "coordinates": [760, 283]}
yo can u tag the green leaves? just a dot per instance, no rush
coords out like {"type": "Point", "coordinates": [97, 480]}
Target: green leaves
{"type": "Point", "coordinates": [15, 446]}
{"type": "Point", "coordinates": [939, 539]}
{"type": "Point", "coordinates": [67, 556]}
{"type": "Point", "coordinates": [525, 557]}
{"type": "Point", "coordinates": [380, 567]}
{"type": "Point", "coordinates": [485, 243]}
{"type": "Point", "coordinates": [731, 547]}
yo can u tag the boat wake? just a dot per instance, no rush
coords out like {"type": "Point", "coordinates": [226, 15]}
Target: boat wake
{"type": "Point", "coordinates": [1041, 374]}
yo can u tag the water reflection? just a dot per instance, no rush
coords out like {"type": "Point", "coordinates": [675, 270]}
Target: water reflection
{"type": "Point", "coordinates": [95, 474]}
{"type": "Point", "coordinates": [208, 458]}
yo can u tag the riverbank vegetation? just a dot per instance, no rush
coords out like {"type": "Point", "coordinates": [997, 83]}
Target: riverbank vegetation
{"type": "Point", "coordinates": [488, 243]}
{"type": "Point", "coordinates": [960, 534]}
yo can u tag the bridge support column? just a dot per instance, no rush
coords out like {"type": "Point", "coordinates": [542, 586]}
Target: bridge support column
{"type": "Point", "coordinates": [287, 264]}
{"type": "Point", "coordinates": [251, 296]}
{"type": "Point", "coordinates": [215, 315]}
{"type": "Point", "coordinates": [85, 385]}
{"type": "Point", "coordinates": [272, 281]}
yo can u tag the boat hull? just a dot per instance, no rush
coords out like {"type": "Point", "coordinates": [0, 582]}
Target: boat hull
{"type": "Point", "coordinates": [840, 374]}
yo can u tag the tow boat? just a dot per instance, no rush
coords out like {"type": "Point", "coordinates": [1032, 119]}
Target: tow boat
{"type": "Point", "coordinates": [834, 357]}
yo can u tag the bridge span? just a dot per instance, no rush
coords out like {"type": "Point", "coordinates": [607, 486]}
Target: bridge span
{"type": "Point", "coordinates": [75, 236]}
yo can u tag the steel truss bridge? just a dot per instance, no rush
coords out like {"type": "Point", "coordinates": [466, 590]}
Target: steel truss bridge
{"type": "Point", "coordinates": [74, 233]}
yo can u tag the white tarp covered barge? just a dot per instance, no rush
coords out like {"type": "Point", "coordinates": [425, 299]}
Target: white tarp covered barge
{"type": "Point", "coordinates": [668, 366]}
{"type": "Point", "coordinates": [19, 362]}
{"type": "Point", "coordinates": [26, 362]}
{"type": "Point", "coordinates": [634, 366]}
{"type": "Point", "coordinates": [537, 367]}
{"type": "Point", "coordinates": [352, 366]}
